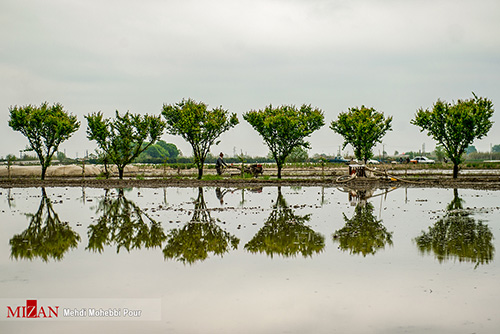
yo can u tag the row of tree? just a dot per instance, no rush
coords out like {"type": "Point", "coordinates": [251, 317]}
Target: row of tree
{"type": "Point", "coordinates": [284, 128]}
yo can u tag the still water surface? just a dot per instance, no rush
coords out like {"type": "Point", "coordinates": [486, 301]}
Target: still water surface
{"type": "Point", "coordinates": [264, 260]}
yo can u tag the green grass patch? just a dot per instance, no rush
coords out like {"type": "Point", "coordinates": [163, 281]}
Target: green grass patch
{"type": "Point", "coordinates": [212, 177]}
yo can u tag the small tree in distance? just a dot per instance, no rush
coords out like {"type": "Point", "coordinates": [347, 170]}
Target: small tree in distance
{"type": "Point", "coordinates": [199, 126]}
{"type": "Point", "coordinates": [298, 154]}
{"type": "Point", "coordinates": [45, 127]}
{"type": "Point", "coordinates": [456, 126]}
{"type": "Point", "coordinates": [362, 128]}
{"type": "Point", "coordinates": [439, 152]}
{"type": "Point", "coordinates": [123, 138]}
{"type": "Point", "coordinates": [284, 128]}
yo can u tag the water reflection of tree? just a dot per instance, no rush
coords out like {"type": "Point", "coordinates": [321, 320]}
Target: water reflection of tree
{"type": "Point", "coordinates": [458, 236]}
{"type": "Point", "coordinates": [286, 234]}
{"type": "Point", "coordinates": [363, 233]}
{"type": "Point", "coordinates": [252, 189]}
{"type": "Point", "coordinates": [123, 223]}
{"type": "Point", "coordinates": [10, 199]}
{"type": "Point", "coordinates": [46, 236]}
{"type": "Point", "coordinates": [199, 237]}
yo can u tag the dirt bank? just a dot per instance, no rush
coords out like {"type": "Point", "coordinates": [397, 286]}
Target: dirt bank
{"type": "Point", "coordinates": [491, 183]}
{"type": "Point", "coordinates": [147, 176]}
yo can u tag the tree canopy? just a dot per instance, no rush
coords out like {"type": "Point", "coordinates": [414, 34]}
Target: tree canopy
{"type": "Point", "coordinates": [298, 154]}
{"type": "Point", "coordinates": [198, 125]}
{"type": "Point", "coordinates": [455, 126]}
{"type": "Point", "coordinates": [471, 149]}
{"type": "Point", "coordinates": [45, 127]}
{"type": "Point", "coordinates": [363, 128]}
{"type": "Point", "coordinates": [159, 152]}
{"type": "Point", "coordinates": [439, 152]}
{"type": "Point", "coordinates": [285, 127]}
{"type": "Point", "coordinates": [123, 138]}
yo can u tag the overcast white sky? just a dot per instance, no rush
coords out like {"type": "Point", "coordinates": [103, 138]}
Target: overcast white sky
{"type": "Point", "coordinates": [107, 55]}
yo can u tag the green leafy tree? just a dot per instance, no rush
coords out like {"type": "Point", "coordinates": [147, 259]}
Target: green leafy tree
{"type": "Point", "coordinates": [495, 149]}
{"type": "Point", "coordinates": [298, 154]}
{"type": "Point", "coordinates": [62, 157]}
{"type": "Point", "coordinates": [284, 128]}
{"type": "Point", "coordinates": [11, 157]}
{"type": "Point", "coordinates": [156, 152]}
{"type": "Point", "coordinates": [198, 125]}
{"type": "Point", "coordinates": [471, 149]}
{"type": "Point", "coordinates": [439, 152]}
{"type": "Point", "coordinates": [456, 126]}
{"type": "Point", "coordinates": [363, 128]}
{"type": "Point", "coordinates": [123, 138]}
{"type": "Point", "coordinates": [171, 149]}
{"type": "Point", "coordinates": [46, 127]}
{"type": "Point", "coordinates": [161, 151]}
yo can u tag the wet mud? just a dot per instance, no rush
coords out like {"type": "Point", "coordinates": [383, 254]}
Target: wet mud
{"type": "Point", "coordinates": [465, 182]}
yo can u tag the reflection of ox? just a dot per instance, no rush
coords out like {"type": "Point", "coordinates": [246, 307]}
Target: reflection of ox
{"type": "Point", "coordinates": [254, 169]}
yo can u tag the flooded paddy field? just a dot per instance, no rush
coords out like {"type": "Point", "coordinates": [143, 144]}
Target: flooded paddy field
{"type": "Point", "coordinates": [307, 170]}
{"type": "Point", "coordinates": [256, 260]}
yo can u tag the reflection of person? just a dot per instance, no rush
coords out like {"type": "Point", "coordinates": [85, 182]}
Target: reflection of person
{"type": "Point", "coordinates": [220, 194]}
{"type": "Point", "coordinates": [220, 162]}
{"type": "Point", "coordinates": [353, 197]}
{"type": "Point", "coordinates": [360, 196]}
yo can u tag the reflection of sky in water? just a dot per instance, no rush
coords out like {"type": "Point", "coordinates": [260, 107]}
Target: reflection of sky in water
{"type": "Point", "coordinates": [395, 290]}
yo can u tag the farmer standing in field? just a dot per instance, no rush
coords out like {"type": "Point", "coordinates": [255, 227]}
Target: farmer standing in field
{"type": "Point", "coordinates": [219, 163]}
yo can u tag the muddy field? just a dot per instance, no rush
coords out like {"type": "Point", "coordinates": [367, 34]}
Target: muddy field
{"type": "Point", "coordinates": [148, 176]}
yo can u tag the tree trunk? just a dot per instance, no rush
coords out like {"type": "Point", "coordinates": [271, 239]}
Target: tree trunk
{"type": "Point", "coordinates": [199, 163]}
{"type": "Point", "coordinates": [279, 171]}
{"type": "Point", "coordinates": [106, 172]}
{"type": "Point", "coordinates": [120, 173]}
{"type": "Point", "coordinates": [44, 170]}
{"type": "Point", "coordinates": [455, 170]}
